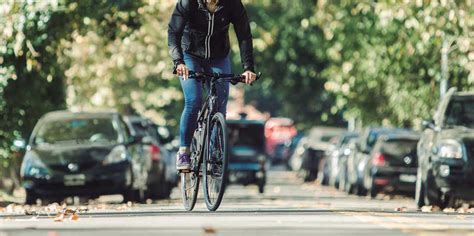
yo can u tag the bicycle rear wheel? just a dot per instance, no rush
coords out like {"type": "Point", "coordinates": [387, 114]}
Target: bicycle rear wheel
{"type": "Point", "coordinates": [190, 179]}
{"type": "Point", "coordinates": [215, 162]}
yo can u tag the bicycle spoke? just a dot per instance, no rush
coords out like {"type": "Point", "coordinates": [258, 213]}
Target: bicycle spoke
{"type": "Point", "coordinates": [215, 166]}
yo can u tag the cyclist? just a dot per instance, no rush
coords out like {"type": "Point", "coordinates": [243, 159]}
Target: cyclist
{"type": "Point", "coordinates": [198, 40]}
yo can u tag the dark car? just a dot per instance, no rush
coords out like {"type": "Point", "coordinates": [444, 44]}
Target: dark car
{"type": "Point", "coordinates": [446, 153]}
{"type": "Point", "coordinates": [312, 149]}
{"type": "Point", "coordinates": [358, 159]}
{"type": "Point", "coordinates": [157, 185]}
{"type": "Point", "coordinates": [393, 164]}
{"type": "Point", "coordinates": [336, 156]}
{"type": "Point", "coordinates": [83, 154]}
{"type": "Point", "coordinates": [247, 152]}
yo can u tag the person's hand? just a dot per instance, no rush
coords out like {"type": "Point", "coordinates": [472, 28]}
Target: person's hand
{"type": "Point", "coordinates": [183, 71]}
{"type": "Point", "coordinates": [249, 77]}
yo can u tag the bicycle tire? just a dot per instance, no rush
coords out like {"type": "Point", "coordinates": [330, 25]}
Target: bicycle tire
{"type": "Point", "coordinates": [213, 198]}
{"type": "Point", "coordinates": [190, 180]}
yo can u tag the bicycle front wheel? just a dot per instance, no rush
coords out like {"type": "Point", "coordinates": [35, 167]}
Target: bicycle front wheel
{"type": "Point", "coordinates": [215, 162]}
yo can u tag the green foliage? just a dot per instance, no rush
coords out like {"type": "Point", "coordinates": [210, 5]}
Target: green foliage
{"type": "Point", "coordinates": [376, 61]}
{"type": "Point", "coordinates": [385, 57]}
{"type": "Point", "coordinates": [31, 72]}
{"type": "Point", "coordinates": [133, 72]}
{"type": "Point", "coordinates": [290, 51]}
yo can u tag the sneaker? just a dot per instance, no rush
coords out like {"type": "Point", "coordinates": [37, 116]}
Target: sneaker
{"type": "Point", "coordinates": [183, 161]}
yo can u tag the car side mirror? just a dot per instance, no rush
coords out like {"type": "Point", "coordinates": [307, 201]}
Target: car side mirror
{"type": "Point", "coordinates": [428, 124]}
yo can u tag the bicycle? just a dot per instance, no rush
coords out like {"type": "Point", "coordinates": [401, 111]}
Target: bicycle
{"type": "Point", "coordinates": [209, 152]}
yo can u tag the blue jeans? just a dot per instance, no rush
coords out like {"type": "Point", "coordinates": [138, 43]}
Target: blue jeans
{"type": "Point", "coordinates": [193, 94]}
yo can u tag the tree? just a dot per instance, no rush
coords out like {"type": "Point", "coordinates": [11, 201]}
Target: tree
{"type": "Point", "coordinates": [290, 51]}
{"type": "Point", "coordinates": [385, 56]}
{"type": "Point", "coordinates": [31, 71]}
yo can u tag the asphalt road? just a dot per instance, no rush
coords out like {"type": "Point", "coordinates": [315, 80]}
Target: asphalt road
{"type": "Point", "coordinates": [288, 207]}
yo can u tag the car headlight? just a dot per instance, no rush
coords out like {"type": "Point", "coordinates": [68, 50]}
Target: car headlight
{"type": "Point", "coordinates": [33, 166]}
{"type": "Point", "coordinates": [449, 149]}
{"type": "Point", "coordinates": [118, 154]}
{"type": "Point", "coordinates": [347, 151]}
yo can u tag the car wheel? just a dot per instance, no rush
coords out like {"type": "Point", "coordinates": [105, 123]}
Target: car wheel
{"type": "Point", "coordinates": [419, 191]}
{"type": "Point", "coordinates": [309, 175]}
{"type": "Point", "coordinates": [158, 190]}
{"type": "Point", "coordinates": [360, 190]}
{"type": "Point", "coordinates": [373, 192]}
{"type": "Point", "coordinates": [431, 193]}
{"type": "Point", "coordinates": [31, 197]}
{"type": "Point", "coordinates": [261, 188]}
{"type": "Point", "coordinates": [134, 195]}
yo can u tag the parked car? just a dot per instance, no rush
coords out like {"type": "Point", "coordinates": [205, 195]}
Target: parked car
{"type": "Point", "coordinates": [83, 154]}
{"type": "Point", "coordinates": [335, 156]}
{"type": "Point", "coordinates": [393, 164]}
{"type": "Point", "coordinates": [247, 152]}
{"type": "Point", "coordinates": [158, 186]}
{"type": "Point", "coordinates": [347, 151]}
{"type": "Point", "coordinates": [311, 149]}
{"type": "Point", "coordinates": [278, 132]}
{"type": "Point", "coordinates": [358, 159]}
{"type": "Point", "coordinates": [170, 146]}
{"type": "Point", "coordinates": [446, 153]}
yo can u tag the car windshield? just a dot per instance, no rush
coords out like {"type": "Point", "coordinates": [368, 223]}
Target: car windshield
{"type": "Point", "coordinates": [246, 135]}
{"type": "Point", "coordinates": [399, 147]}
{"type": "Point", "coordinates": [346, 139]}
{"type": "Point", "coordinates": [460, 113]}
{"type": "Point", "coordinates": [84, 130]}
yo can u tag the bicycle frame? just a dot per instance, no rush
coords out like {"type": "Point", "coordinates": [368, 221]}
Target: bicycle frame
{"type": "Point", "coordinates": [204, 118]}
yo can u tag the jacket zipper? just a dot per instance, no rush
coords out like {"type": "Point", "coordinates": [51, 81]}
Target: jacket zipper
{"type": "Point", "coordinates": [210, 29]}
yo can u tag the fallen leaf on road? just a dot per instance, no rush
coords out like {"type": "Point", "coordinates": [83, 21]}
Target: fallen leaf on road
{"type": "Point", "coordinates": [401, 209]}
{"type": "Point", "coordinates": [69, 211]}
{"type": "Point", "coordinates": [276, 189]}
{"type": "Point", "coordinates": [449, 210]}
{"type": "Point", "coordinates": [83, 210]}
{"type": "Point", "coordinates": [122, 207]}
{"type": "Point", "coordinates": [74, 217]}
{"type": "Point", "coordinates": [59, 218]}
{"type": "Point", "coordinates": [461, 211]}
{"type": "Point", "coordinates": [209, 230]}
{"type": "Point", "coordinates": [31, 212]}
{"type": "Point", "coordinates": [53, 233]}
{"type": "Point", "coordinates": [426, 208]}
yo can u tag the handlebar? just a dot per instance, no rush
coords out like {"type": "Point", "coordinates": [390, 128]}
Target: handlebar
{"type": "Point", "coordinates": [232, 78]}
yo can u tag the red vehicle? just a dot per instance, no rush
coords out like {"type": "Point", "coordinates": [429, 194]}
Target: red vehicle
{"type": "Point", "coordinates": [278, 132]}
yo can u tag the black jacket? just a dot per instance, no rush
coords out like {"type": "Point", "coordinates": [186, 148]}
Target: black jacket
{"type": "Point", "coordinates": [198, 32]}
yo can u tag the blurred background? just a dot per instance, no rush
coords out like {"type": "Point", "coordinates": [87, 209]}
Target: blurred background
{"type": "Point", "coordinates": [325, 63]}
